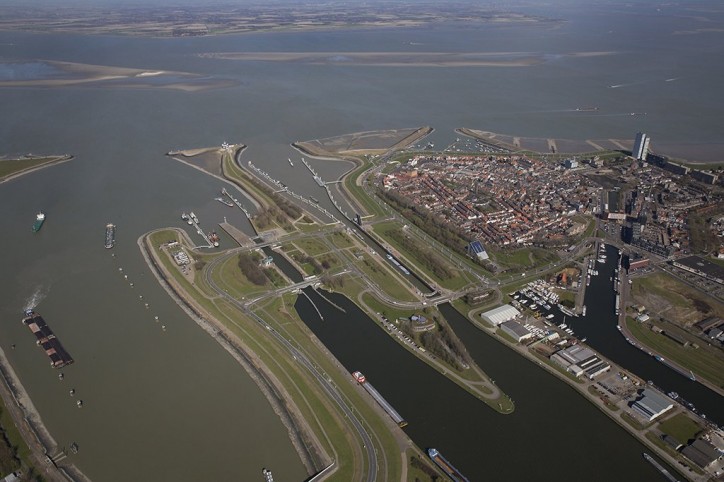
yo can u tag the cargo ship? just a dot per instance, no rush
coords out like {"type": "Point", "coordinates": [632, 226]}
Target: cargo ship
{"type": "Point", "coordinates": [39, 220]}
{"type": "Point", "coordinates": [401, 422]}
{"type": "Point", "coordinates": [110, 235]}
{"type": "Point", "coordinates": [47, 339]}
{"type": "Point", "coordinates": [446, 466]}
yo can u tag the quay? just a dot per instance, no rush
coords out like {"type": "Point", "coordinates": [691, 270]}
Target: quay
{"type": "Point", "coordinates": [236, 234]}
{"type": "Point", "coordinates": [47, 339]}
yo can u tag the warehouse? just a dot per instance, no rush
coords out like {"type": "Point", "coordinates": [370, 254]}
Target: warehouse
{"type": "Point", "coordinates": [501, 314]}
{"type": "Point", "coordinates": [517, 331]}
{"type": "Point", "coordinates": [651, 404]}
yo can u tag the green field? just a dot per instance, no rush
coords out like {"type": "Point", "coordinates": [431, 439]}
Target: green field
{"type": "Point", "coordinates": [681, 427]}
{"type": "Point", "coordinates": [419, 257]}
{"type": "Point", "coordinates": [383, 278]}
{"type": "Point", "coordinates": [703, 363]}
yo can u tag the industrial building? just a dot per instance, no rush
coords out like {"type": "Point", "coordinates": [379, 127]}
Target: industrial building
{"type": "Point", "coordinates": [701, 452]}
{"type": "Point", "coordinates": [580, 360]}
{"type": "Point", "coordinates": [500, 315]}
{"type": "Point", "coordinates": [701, 267]}
{"type": "Point", "coordinates": [517, 331]}
{"type": "Point", "coordinates": [651, 404]}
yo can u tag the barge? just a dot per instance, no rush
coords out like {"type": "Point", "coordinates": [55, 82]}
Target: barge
{"type": "Point", "coordinates": [47, 340]}
{"type": "Point", "coordinates": [360, 378]}
{"type": "Point", "coordinates": [110, 235]}
{"type": "Point", "coordinates": [446, 466]}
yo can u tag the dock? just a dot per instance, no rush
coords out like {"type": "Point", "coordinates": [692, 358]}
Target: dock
{"type": "Point", "coordinates": [47, 340]}
{"type": "Point", "coordinates": [240, 206]}
{"type": "Point", "coordinates": [237, 235]}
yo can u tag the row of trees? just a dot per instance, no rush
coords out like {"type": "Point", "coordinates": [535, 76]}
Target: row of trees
{"type": "Point", "coordinates": [430, 260]}
{"type": "Point", "coordinates": [444, 232]}
{"type": "Point", "coordinates": [249, 266]}
{"type": "Point", "coordinates": [278, 212]}
{"type": "Point", "coordinates": [445, 345]}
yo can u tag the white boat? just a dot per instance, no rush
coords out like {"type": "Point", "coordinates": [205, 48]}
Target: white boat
{"type": "Point", "coordinates": [290, 162]}
{"type": "Point", "coordinates": [193, 218]}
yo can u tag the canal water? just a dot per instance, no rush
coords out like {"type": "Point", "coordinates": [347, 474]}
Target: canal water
{"type": "Point", "coordinates": [553, 434]}
{"type": "Point", "coordinates": [171, 404]}
{"type": "Point", "coordinates": [599, 328]}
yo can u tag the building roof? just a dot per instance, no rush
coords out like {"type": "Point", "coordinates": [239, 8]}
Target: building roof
{"type": "Point", "coordinates": [515, 328]}
{"type": "Point", "coordinates": [500, 314]}
{"type": "Point", "coordinates": [577, 354]}
{"type": "Point", "coordinates": [701, 452]}
{"type": "Point", "coordinates": [707, 323]}
{"type": "Point", "coordinates": [702, 265]}
{"type": "Point", "coordinates": [476, 248]}
{"type": "Point", "coordinates": [652, 404]}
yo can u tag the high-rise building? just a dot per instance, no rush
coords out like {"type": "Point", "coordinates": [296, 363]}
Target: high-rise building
{"type": "Point", "coordinates": [641, 146]}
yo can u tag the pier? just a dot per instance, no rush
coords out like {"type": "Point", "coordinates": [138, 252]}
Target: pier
{"type": "Point", "coordinates": [237, 235]}
{"type": "Point", "coordinates": [195, 224]}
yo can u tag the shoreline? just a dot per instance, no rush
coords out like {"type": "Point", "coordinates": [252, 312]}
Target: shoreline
{"type": "Point", "coordinates": [252, 365]}
{"type": "Point", "coordinates": [32, 429]}
{"type": "Point", "coordinates": [52, 162]}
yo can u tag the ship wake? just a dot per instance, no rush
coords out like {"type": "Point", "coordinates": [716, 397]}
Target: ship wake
{"type": "Point", "coordinates": [38, 295]}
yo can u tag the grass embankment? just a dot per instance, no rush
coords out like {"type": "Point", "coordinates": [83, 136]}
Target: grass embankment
{"type": "Point", "coordinates": [704, 363]}
{"type": "Point", "coordinates": [12, 167]}
{"type": "Point", "coordinates": [329, 425]}
{"type": "Point", "coordinates": [14, 452]}
{"type": "Point", "coordinates": [382, 276]}
{"type": "Point", "coordinates": [502, 404]}
{"type": "Point", "coordinates": [424, 258]}
{"type": "Point", "coordinates": [280, 314]}
{"type": "Point", "coordinates": [357, 192]}
{"type": "Point", "coordinates": [274, 212]}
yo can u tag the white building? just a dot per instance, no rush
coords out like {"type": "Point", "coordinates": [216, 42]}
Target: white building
{"type": "Point", "coordinates": [641, 146]}
{"type": "Point", "coordinates": [501, 314]}
{"type": "Point", "coordinates": [651, 404]}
